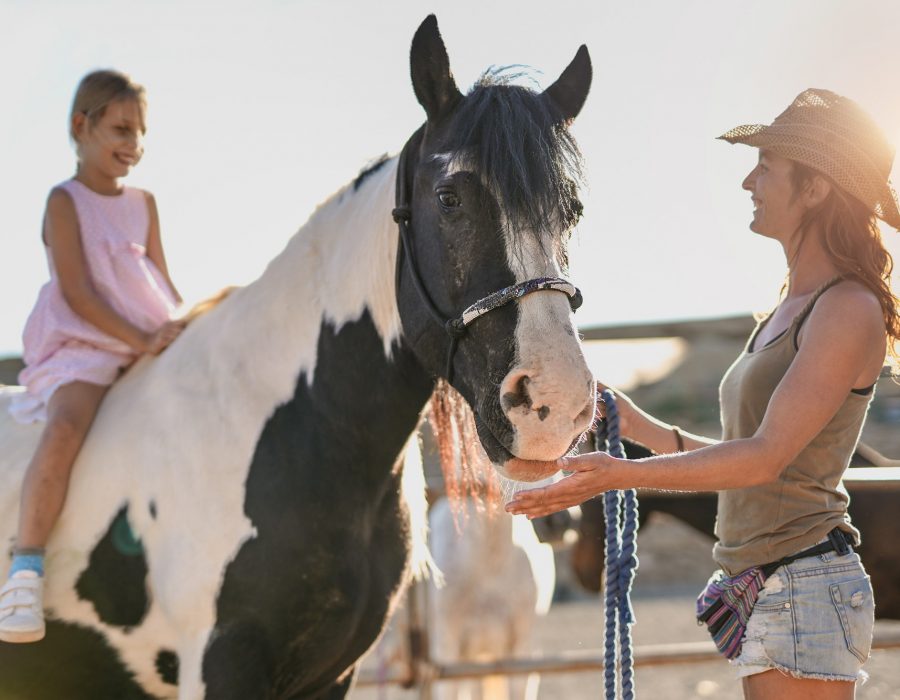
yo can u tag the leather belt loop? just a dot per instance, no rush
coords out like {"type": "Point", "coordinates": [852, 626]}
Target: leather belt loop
{"type": "Point", "coordinates": [838, 539]}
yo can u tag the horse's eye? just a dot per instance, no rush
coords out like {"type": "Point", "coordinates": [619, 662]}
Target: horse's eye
{"type": "Point", "coordinates": [448, 199]}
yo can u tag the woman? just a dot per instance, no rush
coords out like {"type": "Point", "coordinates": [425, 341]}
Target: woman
{"type": "Point", "coordinates": [792, 404]}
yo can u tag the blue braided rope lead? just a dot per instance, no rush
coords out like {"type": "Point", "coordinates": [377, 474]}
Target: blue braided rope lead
{"type": "Point", "coordinates": [611, 501]}
{"type": "Point", "coordinates": [621, 563]}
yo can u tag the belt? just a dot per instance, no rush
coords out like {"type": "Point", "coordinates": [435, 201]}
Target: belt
{"type": "Point", "coordinates": [838, 541]}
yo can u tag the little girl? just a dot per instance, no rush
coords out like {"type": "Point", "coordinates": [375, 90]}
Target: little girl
{"type": "Point", "coordinates": [109, 300]}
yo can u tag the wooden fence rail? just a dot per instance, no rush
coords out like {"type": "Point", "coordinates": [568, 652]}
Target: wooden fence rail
{"type": "Point", "coordinates": [568, 662]}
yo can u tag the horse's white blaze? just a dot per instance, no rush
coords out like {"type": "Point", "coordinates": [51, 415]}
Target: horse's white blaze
{"type": "Point", "coordinates": [180, 431]}
{"type": "Point", "coordinates": [555, 376]}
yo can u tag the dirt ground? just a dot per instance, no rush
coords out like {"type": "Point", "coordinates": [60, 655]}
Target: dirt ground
{"type": "Point", "coordinates": [674, 563]}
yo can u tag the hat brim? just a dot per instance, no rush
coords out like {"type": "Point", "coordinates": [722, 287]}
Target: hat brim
{"type": "Point", "coordinates": [770, 136]}
{"type": "Point", "coordinates": [744, 134]}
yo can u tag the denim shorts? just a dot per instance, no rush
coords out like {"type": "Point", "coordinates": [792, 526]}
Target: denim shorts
{"type": "Point", "coordinates": [814, 618]}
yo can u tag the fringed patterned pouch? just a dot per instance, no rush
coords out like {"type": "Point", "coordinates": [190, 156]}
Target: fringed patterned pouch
{"type": "Point", "coordinates": [725, 605]}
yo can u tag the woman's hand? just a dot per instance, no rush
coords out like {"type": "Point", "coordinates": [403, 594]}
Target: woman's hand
{"type": "Point", "coordinates": [163, 337]}
{"type": "Point", "coordinates": [590, 478]}
{"type": "Point", "coordinates": [627, 410]}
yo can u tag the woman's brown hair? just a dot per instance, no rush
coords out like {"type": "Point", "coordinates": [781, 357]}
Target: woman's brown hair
{"type": "Point", "coordinates": [852, 240]}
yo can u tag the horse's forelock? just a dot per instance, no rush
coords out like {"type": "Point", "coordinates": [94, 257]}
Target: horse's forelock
{"type": "Point", "coordinates": [521, 148]}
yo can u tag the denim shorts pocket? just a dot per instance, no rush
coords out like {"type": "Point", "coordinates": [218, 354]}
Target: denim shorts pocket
{"type": "Point", "coordinates": [855, 606]}
{"type": "Point", "coordinates": [775, 595]}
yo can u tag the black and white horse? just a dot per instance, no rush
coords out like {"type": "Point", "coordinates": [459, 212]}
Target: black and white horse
{"type": "Point", "coordinates": [235, 526]}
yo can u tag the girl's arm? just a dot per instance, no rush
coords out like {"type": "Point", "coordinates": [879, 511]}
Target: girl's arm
{"type": "Point", "coordinates": [843, 347]}
{"type": "Point", "coordinates": [63, 236]}
{"type": "Point", "coordinates": [154, 245]}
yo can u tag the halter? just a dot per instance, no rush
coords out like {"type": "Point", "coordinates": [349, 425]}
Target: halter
{"type": "Point", "coordinates": [456, 327]}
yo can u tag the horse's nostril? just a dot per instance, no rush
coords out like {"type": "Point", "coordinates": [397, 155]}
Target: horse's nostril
{"type": "Point", "coordinates": [514, 391]}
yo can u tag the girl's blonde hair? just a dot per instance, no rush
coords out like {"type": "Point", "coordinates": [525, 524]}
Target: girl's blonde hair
{"type": "Point", "coordinates": [852, 240]}
{"type": "Point", "coordinates": [98, 89]}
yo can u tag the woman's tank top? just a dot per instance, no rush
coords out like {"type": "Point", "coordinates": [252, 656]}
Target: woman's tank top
{"type": "Point", "coordinates": [761, 524]}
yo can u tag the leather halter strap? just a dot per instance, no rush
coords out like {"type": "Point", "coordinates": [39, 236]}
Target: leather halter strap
{"type": "Point", "coordinates": [456, 327]}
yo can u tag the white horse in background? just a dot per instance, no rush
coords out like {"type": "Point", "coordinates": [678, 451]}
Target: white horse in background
{"type": "Point", "coordinates": [498, 577]}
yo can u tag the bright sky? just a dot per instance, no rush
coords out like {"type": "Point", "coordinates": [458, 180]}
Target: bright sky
{"type": "Point", "coordinates": [258, 111]}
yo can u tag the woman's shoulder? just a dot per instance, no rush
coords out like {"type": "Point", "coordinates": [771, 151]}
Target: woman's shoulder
{"type": "Point", "coordinates": [853, 294]}
{"type": "Point", "coordinates": [849, 304]}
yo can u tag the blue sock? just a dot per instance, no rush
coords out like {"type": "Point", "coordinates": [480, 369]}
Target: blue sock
{"type": "Point", "coordinates": [33, 560]}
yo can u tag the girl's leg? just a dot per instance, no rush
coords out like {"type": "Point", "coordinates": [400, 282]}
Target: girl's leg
{"type": "Point", "coordinates": [774, 684]}
{"type": "Point", "coordinates": [70, 412]}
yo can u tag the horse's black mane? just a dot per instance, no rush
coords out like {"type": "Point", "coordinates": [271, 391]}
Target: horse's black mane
{"type": "Point", "coordinates": [518, 142]}
{"type": "Point", "coordinates": [373, 166]}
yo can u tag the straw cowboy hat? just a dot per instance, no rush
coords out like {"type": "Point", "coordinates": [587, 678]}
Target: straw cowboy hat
{"type": "Point", "coordinates": [836, 137]}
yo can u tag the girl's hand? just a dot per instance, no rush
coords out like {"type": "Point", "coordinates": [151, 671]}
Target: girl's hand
{"type": "Point", "coordinates": [588, 480]}
{"type": "Point", "coordinates": [164, 336]}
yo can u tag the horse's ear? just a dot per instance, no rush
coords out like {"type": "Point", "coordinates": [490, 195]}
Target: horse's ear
{"type": "Point", "coordinates": [432, 80]}
{"type": "Point", "coordinates": [571, 89]}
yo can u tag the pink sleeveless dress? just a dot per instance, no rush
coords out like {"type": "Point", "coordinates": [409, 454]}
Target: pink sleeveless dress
{"type": "Point", "coordinates": [60, 346]}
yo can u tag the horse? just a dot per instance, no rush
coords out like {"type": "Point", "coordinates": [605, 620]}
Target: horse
{"type": "Point", "coordinates": [866, 508]}
{"type": "Point", "coordinates": [235, 526]}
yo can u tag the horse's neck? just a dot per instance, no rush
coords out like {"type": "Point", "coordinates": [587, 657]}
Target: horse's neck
{"type": "Point", "coordinates": [319, 332]}
{"type": "Point", "coordinates": [697, 510]}
{"type": "Point", "coordinates": [339, 265]}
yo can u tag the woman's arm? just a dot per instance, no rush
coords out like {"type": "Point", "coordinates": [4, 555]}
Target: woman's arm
{"type": "Point", "coordinates": [154, 245]}
{"type": "Point", "coordinates": [653, 433]}
{"type": "Point", "coordinates": [843, 347]}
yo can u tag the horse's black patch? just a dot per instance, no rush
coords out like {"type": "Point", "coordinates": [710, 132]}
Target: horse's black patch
{"type": "Point", "coordinates": [152, 508]}
{"type": "Point", "coordinates": [372, 167]}
{"type": "Point", "coordinates": [167, 666]}
{"type": "Point", "coordinates": [71, 663]}
{"type": "Point", "coordinates": [331, 537]}
{"type": "Point", "coordinates": [514, 399]}
{"type": "Point", "coordinates": [115, 579]}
